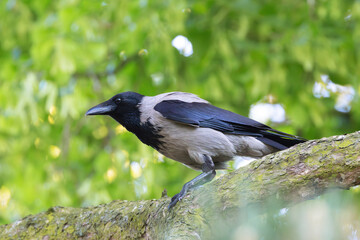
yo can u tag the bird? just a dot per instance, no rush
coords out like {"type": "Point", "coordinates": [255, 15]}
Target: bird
{"type": "Point", "coordinates": [190, 130]}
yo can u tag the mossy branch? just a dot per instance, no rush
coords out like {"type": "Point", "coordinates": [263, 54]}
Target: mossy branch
{"type": "Point", "coordinates": [297, 174]}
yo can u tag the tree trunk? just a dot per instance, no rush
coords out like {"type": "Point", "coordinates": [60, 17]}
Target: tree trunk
{"type": "Point", "coordinates": [290, 176]}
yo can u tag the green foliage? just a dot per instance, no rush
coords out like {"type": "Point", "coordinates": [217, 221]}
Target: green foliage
{"type": "Point", "coordinates": [58, 58]}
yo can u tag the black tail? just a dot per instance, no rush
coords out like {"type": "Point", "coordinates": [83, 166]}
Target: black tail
{"type": "Point", "coordinates": [279, 139]}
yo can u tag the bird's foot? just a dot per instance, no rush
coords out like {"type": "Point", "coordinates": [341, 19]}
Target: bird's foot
{"type": "Point", "coordinates": [176, 198]}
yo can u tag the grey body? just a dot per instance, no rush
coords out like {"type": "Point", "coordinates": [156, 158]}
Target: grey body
{"type": "Point", "coordinates": [188, 144]}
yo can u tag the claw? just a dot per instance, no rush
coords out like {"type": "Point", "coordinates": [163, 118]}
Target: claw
{"type": "Point", "coordinates": [175, 199]}
{"type": "Point", "coordinates": [172, 204]}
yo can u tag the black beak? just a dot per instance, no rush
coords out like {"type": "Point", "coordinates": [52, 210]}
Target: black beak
{"type": "Point", "coordinates": [104, 108]}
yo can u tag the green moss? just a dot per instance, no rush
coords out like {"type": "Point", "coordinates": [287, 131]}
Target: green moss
{"type": "Point", "coordinates": [50, 217]}
{"type": "Point", "coordinates": [259, 177]}
{"type": "Point", "coordinates": [70, 229]}
{"type": "Point", "coordinates": [345, 143]}
{"type": "Point", "coordinates": [284, 164]}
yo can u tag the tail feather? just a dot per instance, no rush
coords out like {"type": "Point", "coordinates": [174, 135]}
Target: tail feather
{"type": "Point", "coordinates": [279, 139]}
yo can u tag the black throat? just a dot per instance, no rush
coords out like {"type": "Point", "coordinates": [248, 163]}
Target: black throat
{"type": "Point", "coordinates": [145, 131]}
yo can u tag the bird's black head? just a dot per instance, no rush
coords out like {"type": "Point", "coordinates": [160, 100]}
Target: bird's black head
{"type": "Point", "coordinates": [123, 107]}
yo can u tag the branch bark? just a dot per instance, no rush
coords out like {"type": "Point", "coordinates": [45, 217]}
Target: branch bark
{"type": "Point", "coordinates": [291, 176]}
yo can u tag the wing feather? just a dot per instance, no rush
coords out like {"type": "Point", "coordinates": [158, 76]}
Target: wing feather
{"type": "Point", "coordinates": [199, 114]}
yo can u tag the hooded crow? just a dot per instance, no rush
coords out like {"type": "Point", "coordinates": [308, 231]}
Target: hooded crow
{"type": "Point", "coordinates": [190, 130]}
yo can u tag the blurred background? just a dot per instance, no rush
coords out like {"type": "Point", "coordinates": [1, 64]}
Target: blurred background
{"type": "Point", "coordinates": [292, 65]}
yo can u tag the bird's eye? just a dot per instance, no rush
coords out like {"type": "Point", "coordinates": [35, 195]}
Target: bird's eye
{"type": "Point", "coordinates": [118, 101]}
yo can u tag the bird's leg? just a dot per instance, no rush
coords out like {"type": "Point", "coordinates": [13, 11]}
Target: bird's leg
{"type": "Point", "coordinates": [208, 168]}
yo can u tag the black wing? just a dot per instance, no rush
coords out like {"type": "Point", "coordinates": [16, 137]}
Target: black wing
{"type": "Point", "coordinates": [208, 116]}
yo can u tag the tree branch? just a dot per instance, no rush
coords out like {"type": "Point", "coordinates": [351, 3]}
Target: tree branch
{"type": "Point", "coordinates": [291, 176]}
{"type": "Point", "coordinates": [117, 69]}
